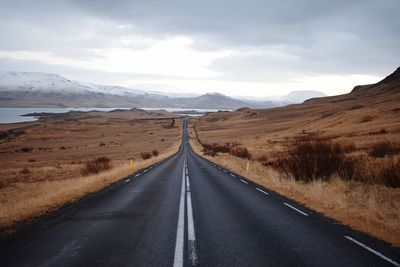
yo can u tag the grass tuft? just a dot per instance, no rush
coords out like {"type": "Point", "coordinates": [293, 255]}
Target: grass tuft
{"type": "Point", "coordinates": [25, 170]}
{"type": "Point", "coordinates": [240, 152]}
{"type": "Point", "coordinates": [383, 149]}
{"type": "Point", "coordinates": [145, 155]}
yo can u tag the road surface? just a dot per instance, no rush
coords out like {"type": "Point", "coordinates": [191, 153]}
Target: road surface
{"type": "Point", "coordinates": [187, 211]}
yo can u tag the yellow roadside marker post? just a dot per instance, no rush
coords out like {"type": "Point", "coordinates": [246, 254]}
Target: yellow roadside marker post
{"type": "Point", "coordinates": [132, 166]}
{"type": "Point", "coordinates": [247, 166]}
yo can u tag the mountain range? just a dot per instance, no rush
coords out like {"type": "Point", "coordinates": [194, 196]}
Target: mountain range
{"type": "Point", "coordinates": [32, 89]}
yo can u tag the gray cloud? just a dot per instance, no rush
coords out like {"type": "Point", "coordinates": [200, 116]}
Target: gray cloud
{"type": "Point", "coordinates": [312, 37]}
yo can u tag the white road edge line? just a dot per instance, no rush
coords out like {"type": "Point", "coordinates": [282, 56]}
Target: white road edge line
{"type": "Point", "coordinates": [262, 191]}
{"type": "Point", "coordinates": [372, 250]}
{"type": "Point", "coordinates": [296, 209]}
{"type": "Point", "coordinates": [243, 181]}
{"type": "Point", "coordinates": [178, 256]}
{"type": "Point", "coordinates": [233, 175]}
{"type": "Point", "coordinates": [127, 180]}
{"type": "Point", "coordinates": [145, 170]}
{"type": "Point", "coordinates": [137, 175]}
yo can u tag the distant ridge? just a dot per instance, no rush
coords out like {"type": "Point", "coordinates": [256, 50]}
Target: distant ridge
{"type": "Point", "coordinates": [390, 84]}
{"type": "Point", "coordinates": [392, 78]}
{"type": "Point", "coordinates": [35, 89]}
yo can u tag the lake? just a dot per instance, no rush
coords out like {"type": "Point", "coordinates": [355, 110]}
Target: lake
{"type": "Point", "coordinates": [13, 115]}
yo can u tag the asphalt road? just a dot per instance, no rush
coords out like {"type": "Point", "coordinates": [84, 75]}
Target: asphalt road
{"type": "Point", "coordinates": [187, 211]}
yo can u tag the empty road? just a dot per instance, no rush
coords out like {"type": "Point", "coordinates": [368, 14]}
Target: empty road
{"type": "Point", "coordinates": [187, 211]}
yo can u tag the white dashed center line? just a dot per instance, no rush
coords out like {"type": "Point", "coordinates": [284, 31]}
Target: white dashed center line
{"type": "Point", "coordinates": [262, 191]}
{"type": "Point", "coordinates": [296, 209]}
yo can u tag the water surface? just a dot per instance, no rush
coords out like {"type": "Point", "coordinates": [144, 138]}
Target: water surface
{"type": "Point", "coordinates": [13, 115]}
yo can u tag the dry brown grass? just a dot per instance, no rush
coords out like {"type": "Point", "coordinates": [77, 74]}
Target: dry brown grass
{"type": "Point", "coordinates": [372, 209]}
{"type": "Point", "coordinates": [126, 135]}
{"type": "Point", "coordinates": [23, 201]}
{"type": "Point", "coordinates": [54, 178]}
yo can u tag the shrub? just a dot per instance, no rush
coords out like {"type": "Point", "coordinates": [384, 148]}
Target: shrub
{"type": "Point", "coordinates": [350, 168]}
{"type": "Point", "coordinates": [219, 148]}
{"type": "Point", "coordinates": [325, 115]}
{"type": "Point", "coordinates": [390, 173]}
{"type": "Point", "coordinates": [231, 148]}
{"type": "Point", "coordinates": [310, 158]}
{"type": "Point", "coordinates": [63, 147]}
{"type": "Point", "coordinates": [382, 149]}
{"type": "Point", "coordinates": [354, 107]}
{"type": "Point", "coordinates": [145, 155]}
{"type": "Point", "coordinates": [240, 152]}
{"type": "Point", "coordinates": [25, 170]}
{"type": "Point", "coordinates": [367, 118]}
{"type": "Point", "coordinates": [3, 135]}
{"type": "Point", "coordinates": [102, 144]}
{"type": "Point", "coordinates": [96, 166]}
{"type": "Point", "coordinates": [348, 148]}
{"type": "Point", "coordinates": [383, 131]}
{"type": "Point", "coordinates": [263, 159]}
{"type": "Point", "coordinates": [24, 149]}
{"type": "Point", "coordinates": [380, 171]}
{"type": "Point", "coordinates": [225, 148]}
{"type": "Point", "coordinates": [155, 153]}
{"type": "Point", "coordinates": [210, 153]}
{"type": "Point", "coordinates": [31, 160]}
{"type": "Point", "coordinates": [207, 147]}
{"type": "Point", "coordinates": [216, 148]}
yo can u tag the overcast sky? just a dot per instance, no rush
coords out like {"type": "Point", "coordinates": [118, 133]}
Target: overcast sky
{"type": "Point", "coordinates": [235, 47]}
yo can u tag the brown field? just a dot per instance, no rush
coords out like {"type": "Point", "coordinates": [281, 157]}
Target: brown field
{"type": "Point", "coordinates": [365, 123]}
{"type": "Point", "coordinates": [43, 163]}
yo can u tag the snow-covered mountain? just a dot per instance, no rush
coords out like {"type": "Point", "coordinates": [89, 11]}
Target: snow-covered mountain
{"type": "Point", "coordinates": [34, 81]}
{"type": "Point", "coordinates": [301, 96]}
{"type": "Point", "coordinates": [49, 82]}
{"type": "Point", "coordinates": [33, 89]}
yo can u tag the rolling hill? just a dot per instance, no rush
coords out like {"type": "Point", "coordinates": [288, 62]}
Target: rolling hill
{"type": "Point", "coordinates": [367, 113]}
